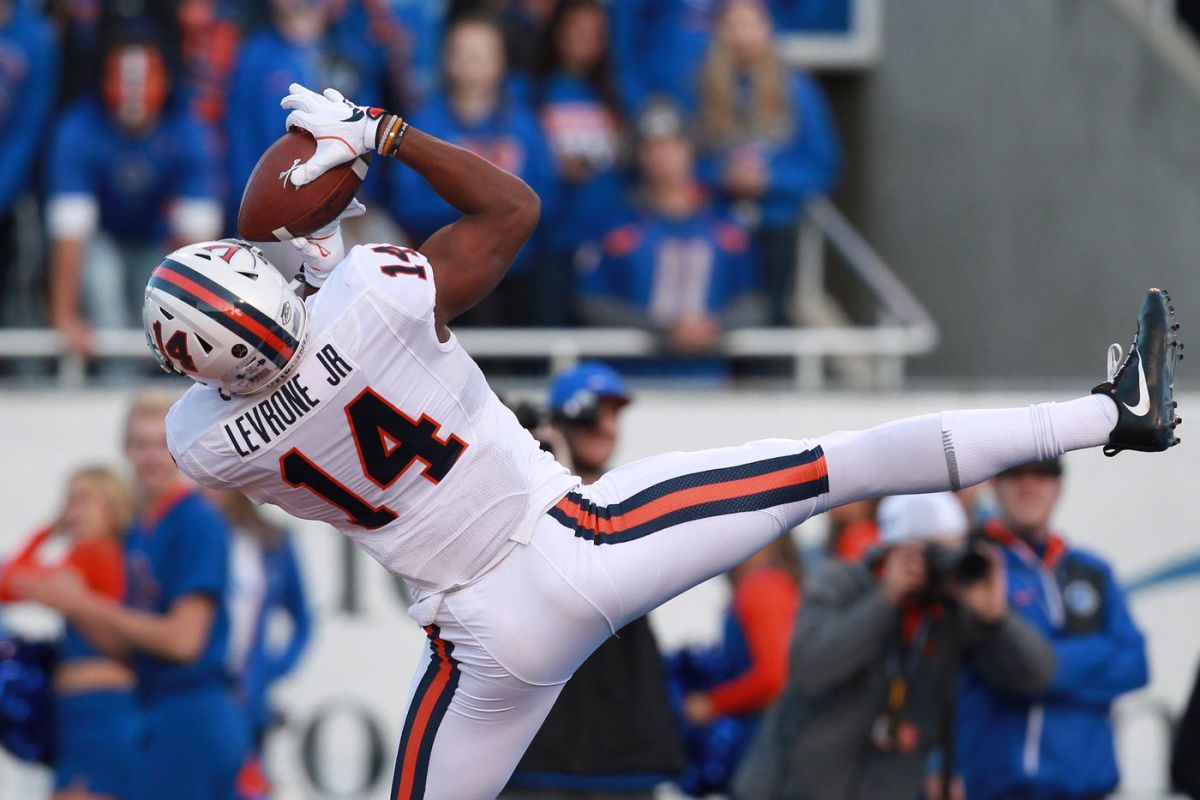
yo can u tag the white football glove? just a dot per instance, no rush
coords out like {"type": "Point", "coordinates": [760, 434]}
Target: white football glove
{"type": "Point", "coordinates": [343, 130]}
{"type": "Point", "coordinates": [324, 249]}
{"type": "Point", "coordinates": [310, 259]}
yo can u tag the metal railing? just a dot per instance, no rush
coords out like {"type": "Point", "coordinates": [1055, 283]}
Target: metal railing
{"type": "Point", "coordinates": [867, 355]}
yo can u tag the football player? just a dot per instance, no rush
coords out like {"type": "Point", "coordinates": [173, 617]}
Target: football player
{"type": "Point", "coordinates": [358, 407]}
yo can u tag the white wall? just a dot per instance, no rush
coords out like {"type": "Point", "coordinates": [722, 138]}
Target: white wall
{"type": "Point", "coordinates": [1136, 509]}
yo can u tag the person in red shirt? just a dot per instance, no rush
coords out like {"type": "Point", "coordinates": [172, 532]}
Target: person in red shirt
{"type": "Point", "coordinates": [766, 599]}
{"type": "Point", "coordinates": [96, 720]}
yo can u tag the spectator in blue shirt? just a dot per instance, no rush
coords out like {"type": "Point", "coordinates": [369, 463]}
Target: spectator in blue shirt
{"type": "Point", "coordinates": [675, 265]}
{"type": "Point", "coordinates": [265, 582]}
{"type": "Point", "coordinates": [209, 34]}
{"type": "Point", "coordinates": [288, 50]}
{"type": "Point", "coordinates": [475, 112]}
{"type": "Point", "coordinates": [1060, 743]}
{"type": "Point", "coordinates": [577, 103]}
{"type": "Point", "coordinates": [174, 624]}
{"type": "Point", "coordinates": [769, 142]}
{"type": "Point", "coordinates": [392, 47]}
{"type": "Point", "coordinates": [658, 47]}
{"type": "Point", "coordinates": [522, 22]}
{"type": "Point", "coordinates": [130, 177]}
{"type": "Point", "coordinates": [28, 60]}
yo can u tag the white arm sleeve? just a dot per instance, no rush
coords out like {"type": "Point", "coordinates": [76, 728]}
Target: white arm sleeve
{"type": "Point", "coordinates": [72, 216]}
{"type": "Point", "coordinates": [195, 220]}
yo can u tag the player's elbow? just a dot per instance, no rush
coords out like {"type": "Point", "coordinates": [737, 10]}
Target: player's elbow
{"type": "Point", "coordinates": [524, 211]}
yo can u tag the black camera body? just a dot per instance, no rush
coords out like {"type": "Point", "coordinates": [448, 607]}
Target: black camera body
{"type": "Point", "coordinates": [959, 565]}
{"type": "Point", "coordinates": [530, 415]}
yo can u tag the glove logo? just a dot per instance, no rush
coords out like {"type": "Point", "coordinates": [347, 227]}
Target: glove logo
{"type": "Point", "coordinates": [355, 115]}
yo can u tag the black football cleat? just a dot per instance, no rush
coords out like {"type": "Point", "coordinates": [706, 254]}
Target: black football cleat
{"type": "Point", "coordinates": [1143, 383]}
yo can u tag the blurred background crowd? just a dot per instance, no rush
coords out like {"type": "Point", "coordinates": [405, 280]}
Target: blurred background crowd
{"type": "Point", "coordinates": [945, 647]}
{"type": "Point", "coordinates": [673, 149]}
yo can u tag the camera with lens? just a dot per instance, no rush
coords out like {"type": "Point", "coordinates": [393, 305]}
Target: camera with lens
{"type": "Point", "coordinates": [530, 416]}
{"type": "Point", "coordinates": [963, 565]}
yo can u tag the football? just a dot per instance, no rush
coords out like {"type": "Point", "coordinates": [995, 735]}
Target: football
{"type": "Point", "coordinates": [273, 208]}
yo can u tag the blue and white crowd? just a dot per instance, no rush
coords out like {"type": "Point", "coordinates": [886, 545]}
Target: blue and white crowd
{"type": "Point", "coordinates": [673, 149]}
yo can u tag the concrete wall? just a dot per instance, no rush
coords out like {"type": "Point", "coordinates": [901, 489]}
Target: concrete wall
{"type": "Point", "coordinates": [1029, 167]}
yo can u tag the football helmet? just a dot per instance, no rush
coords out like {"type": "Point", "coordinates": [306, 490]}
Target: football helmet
{"type": "Point", "coordinates": [220, 313]}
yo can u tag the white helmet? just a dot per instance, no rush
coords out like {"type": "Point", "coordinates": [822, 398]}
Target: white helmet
{"type": "Point", "coordinates": [221, 314]}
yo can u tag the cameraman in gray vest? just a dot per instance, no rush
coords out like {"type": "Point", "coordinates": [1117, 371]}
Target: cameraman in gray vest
{"type": "Point", "coordinates": [875, 655]}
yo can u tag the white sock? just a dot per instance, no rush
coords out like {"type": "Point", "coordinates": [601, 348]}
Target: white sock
{"type": "Point", "coordinates": [940, 452]}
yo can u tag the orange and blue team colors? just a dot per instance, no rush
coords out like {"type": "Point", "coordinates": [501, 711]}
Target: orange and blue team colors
{"type": "Point", "coordinates": [425, 713]}
{"type": "Point", "coordinates": [226, 308]}
{"type": "Point", "coordinates": [729, 490]}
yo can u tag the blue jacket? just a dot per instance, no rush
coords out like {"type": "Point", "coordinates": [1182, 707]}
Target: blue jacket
{"type": "Point", "coordinates": [266, 65]}
{"type": "Point", "coordinates": [1060, 744]}
{"type": "Point", "coordinates": [509, 138]}
{"type": "Point", "coordinates": [133, 178]}
{"type": "Point", "coordinates": [579, 126]}
{"type": "Point", "coordinates": [264, 664]}
{"type": "Point", "coordinates": [28, 75]}
{"type": "Point", "coordinates": [658, 47]}
{"type": "Point", "coordinates": [799, 165]}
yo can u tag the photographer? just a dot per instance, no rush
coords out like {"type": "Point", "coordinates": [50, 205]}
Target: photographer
{"type": "Point", "coordinates": [875, 654]}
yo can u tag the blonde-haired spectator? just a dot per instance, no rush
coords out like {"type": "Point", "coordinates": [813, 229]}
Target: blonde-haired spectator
{"type": "Point", "coordinates": [767, 139]}
{"type": "Point", "coordinates": [95, 723]}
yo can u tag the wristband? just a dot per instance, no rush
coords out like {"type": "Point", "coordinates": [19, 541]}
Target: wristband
{"type": "Point", "coordinates": [390, 134]}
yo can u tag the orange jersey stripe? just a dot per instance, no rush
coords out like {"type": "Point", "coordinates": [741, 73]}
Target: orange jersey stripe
{"type": "Point", "coordinates": [696, 495]}
{"type": "Point", "coordinates": [227, 308]}
{"type": "Point", "coordinates": [409, 769]}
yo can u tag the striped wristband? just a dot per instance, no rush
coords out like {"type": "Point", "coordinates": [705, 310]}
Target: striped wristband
{"type": "Point", "coordinates": [390, 134]}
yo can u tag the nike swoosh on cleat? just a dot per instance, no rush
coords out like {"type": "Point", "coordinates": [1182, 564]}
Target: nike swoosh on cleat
{"type": "Point", "coordinates": [1143, 405]}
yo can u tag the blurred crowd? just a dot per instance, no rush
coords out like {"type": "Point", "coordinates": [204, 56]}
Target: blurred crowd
{"type": "Point", "coordinates": [673, 149]}
{"type": "Point", "coordinates": [940, 646]}
{"type": "Point", "coordinates": [158, 686]}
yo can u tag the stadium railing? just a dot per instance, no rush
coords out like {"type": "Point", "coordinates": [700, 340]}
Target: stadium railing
{"type": "Point", "coordinates": [861, 355]}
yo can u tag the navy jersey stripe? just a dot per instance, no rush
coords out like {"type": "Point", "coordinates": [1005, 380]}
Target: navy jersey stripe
{"type": "Point", "coordinates": [753, 469]}
{"type": "Point", "coordinates": [437, 663]}
{"type": "Point", "coordinates": [716, 508]}
{"type": "Point", "coordinates": [221, 317]}
{"type": "Point", "coordinates": [241, 305]}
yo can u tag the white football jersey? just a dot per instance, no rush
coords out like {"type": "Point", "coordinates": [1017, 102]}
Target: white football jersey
{"type": "Point", "coordinates": [384, 432]}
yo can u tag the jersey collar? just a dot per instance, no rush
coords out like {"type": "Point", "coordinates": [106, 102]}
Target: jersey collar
{"type": "Point", "coordinates": [162, 505]}
{"type": "Point", "coordinates": [1056, 548]}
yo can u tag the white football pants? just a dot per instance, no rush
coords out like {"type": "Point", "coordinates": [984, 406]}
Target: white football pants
{"type": "Point", "coordinates": [501, 648]}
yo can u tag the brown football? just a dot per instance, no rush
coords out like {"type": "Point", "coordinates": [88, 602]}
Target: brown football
{"type": "Point", "coordinates": [273, 208]}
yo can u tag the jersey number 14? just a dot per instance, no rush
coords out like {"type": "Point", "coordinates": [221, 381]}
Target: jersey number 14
{"type": "Point", "coordinates": [388, 443]}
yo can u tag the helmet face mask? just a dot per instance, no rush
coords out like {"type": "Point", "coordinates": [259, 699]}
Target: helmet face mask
{"type": "Point", "coordinates": [221, 314]}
